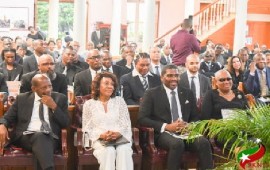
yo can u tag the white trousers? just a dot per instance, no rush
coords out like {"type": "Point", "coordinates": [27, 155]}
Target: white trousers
{"type": "Point", "coordinates": [108, 156]}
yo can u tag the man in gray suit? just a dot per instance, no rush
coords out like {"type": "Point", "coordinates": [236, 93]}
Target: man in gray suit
{"type": "Point", "coordinates": [98, 37]}
{"type": "Point", "coordinates": [193, 77]}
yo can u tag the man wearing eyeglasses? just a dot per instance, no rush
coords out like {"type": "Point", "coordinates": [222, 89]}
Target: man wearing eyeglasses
{"type": "Point", "coordinates": [83, 80]}
{"type": "Point", "coordinates": [46, 66]}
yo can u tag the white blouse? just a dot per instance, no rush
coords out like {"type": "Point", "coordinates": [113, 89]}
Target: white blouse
{"type": "Point", "coordinates": [96, 121]}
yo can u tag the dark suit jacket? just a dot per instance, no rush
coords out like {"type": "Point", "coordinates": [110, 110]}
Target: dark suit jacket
{"type": "Point", "coordinates": [82, 83]}
{"type": "Point", "coordinates": [3, 86]}
{"type": "Point", "coordinates": [133, 89]}
{"type": "Point", "coordinates": [209, 72]}
{"type": "Point", "coordinates": [17, 71]}
{"type": "Point", "coordinates": [59, 84]}
{"type": "Point", "coordinates": [163, 60]}
{"type": "Point", "coordinates": [118, 71]}
{"type": "Point", "coordinates": [21, 111]}
{"type": "Point", "coordinates": [97, 40]}
{"type": "Point", "coordinates": [72, 70]}
{"type": "Point", "coordinates": [204, 81]}
{"type": "Point", "coordinates": [252, 83]}
{"type": "Point", "coordinates": [29, 64]}
{"type": "Point", "coordinates": [155, 108]}
{"type": "Point", "coordinates": [123, 64]}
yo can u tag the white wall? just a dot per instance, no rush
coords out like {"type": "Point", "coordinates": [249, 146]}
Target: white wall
{"type": "Point", "coordinates": [101, 10]}
{"type": "Point", "coordinates": [21, 6]}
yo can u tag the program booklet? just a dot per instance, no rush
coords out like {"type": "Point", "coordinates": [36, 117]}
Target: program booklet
{"type": "Point", "coordinates": [119, 141]}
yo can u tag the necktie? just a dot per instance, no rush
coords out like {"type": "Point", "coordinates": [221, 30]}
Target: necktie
{"type": "Point", "coordinates": [44, 125]}
{"type": "Point", "coordinates": [157, 70]}
{"type": "Point", "coordinates": [108, 70]}
{"type": "Point", "coordinates": [174, 108]}
{"type": "Point", "coordinates": [263, 87]}
{"type": "Point", "coordinates": [168, 60]}
{"type": "Point", "coordinates": [192, 86]}
{"type": "Point", "coordinates": [144, 83]}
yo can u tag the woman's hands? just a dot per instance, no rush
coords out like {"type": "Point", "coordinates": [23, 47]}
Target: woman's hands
{"type": "Point", "coordinates": [110, 136]}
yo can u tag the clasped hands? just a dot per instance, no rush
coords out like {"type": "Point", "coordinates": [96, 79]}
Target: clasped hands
{"type": "Point", "coordinates": [177, 126]}
{"type": "Point", "coordinates": [110, 136]}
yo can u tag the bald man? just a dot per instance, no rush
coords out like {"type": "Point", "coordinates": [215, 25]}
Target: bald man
{"type": "Point", "coordinates": [46, 66]}
{"type": "Point", "coordinates": [201, 82]}
{"type": "Point", "coordinates": [37, 130]}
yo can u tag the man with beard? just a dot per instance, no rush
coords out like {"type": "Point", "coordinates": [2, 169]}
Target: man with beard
{"type": "Point", "coordinates": [83, 80]}
{"type": "Point", "coordinates": [66, 65]}
{"type": "Point", "coordinates": [46, 66]}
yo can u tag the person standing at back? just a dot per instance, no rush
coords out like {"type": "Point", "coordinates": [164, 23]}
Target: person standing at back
{"type": "Point", "coordinates": [183, 44]}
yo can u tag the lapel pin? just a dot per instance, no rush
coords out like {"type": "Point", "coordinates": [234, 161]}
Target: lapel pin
{"type": "Point", "coordinates": [186, 102]}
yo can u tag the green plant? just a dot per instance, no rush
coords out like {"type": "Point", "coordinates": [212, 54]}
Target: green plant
{"type": "Point", "coordinates": [244, 127]}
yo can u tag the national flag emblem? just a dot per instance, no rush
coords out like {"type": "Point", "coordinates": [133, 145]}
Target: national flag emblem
{"type": "Point", "coordinates": [250, 155]}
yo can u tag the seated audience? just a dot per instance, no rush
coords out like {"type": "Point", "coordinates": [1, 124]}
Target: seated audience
{"type": "Point", "coordinates": [168, 108]}
{"type": "Point", "coordinates": [105, 118]}
{"type": "Point", "coordinates": [38, 116]}
{"type": "Point", "coordinates": [257, 78]}
{"type": "Point", "coordinates": [46, 66]}
{"type": "Point", "coordinates": [207, 66]}
{"type": "Point", "coordinates": [235, 68]}
{"type": "Point", "coordinates": [83, 80]}
{"type": "Point", "coordinates": [135, 83]}
{"type": "Point", "coordinates": [222, 98]}
{"type": "Point", "coordinates": [11, 70]}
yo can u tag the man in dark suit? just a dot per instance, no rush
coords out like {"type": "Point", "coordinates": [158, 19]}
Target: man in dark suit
{"type": "Point", "coordinates": [66, 66]}
{"type": "Point", "coordinates": [127, 60]}
{"type": "Point", "coordinates": [208, 67]}
{"type": "Point", "coordinates": [83, 80]}
{"type": "Point", "coordinates": [168, 109]}
{"type": "Point", "coordinates": [166, 57]}
{"type": "Point", "coordinates": [155, 66]}
{"type": "Point", "coordinates": [257, 78]}
{"type": "Point", "coordinates": [98, 37]}
{"type": "Point", "coordinates": [39, 117]}
{"type": "Point", "coordinates": [46, 66]}
{"type": "Point", "coordinates": [135, 83]}
{"type": "Point", "coordinates": [30, 62]}
{"type": "Point", "coordinates": [192, 76]}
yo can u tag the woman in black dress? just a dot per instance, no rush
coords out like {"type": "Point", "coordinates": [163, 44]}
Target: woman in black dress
{"type": "Point", "coordinates": [222, 98]}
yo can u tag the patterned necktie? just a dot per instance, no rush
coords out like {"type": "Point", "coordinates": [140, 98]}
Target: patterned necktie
{"type": "Point", "coordinates": [157, 70]}
{"type": "Point", "coordinates": [192, 86]}
{"type": "Point", "coordinates": [263, 86]}
{"type": "Point", "coordinates": [44, 125]}
{"type": "Point", "coordinates": [144, 83]}
{"type": "Point", "coordinates": [168, 60]}
{"type": "Point", "coordinates": [174, 108]}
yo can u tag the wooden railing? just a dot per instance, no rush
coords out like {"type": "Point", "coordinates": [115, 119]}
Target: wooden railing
{"type": "Point", "coordinates": [208, 17]}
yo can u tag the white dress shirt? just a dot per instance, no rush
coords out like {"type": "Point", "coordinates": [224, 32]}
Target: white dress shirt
{"type": "Point", "coordinates": [136, 73]}
{"type": "Point", "coordinates": [196, 82]}
{"type": "Point", "coordinates": [169, 95]}
{"type": "Point", "coordinates": [35, 122]}
{"type": "Point", "coordinates": [94, 72]}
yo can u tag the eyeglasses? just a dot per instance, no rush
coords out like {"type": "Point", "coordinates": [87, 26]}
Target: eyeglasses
{"type": "Point", "coordinates": [94, 57]}
{"type": "Point", "coordinates": [47, 64]}
{"type": "Point", "coordinates": [225, 79]}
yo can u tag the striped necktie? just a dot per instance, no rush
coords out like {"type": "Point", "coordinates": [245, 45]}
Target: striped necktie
{"type": "Point", "coordinates": [144, 83]}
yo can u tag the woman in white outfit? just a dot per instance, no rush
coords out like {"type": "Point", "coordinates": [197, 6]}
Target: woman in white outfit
{"type": "Point", "coordinates": [106, 118]}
